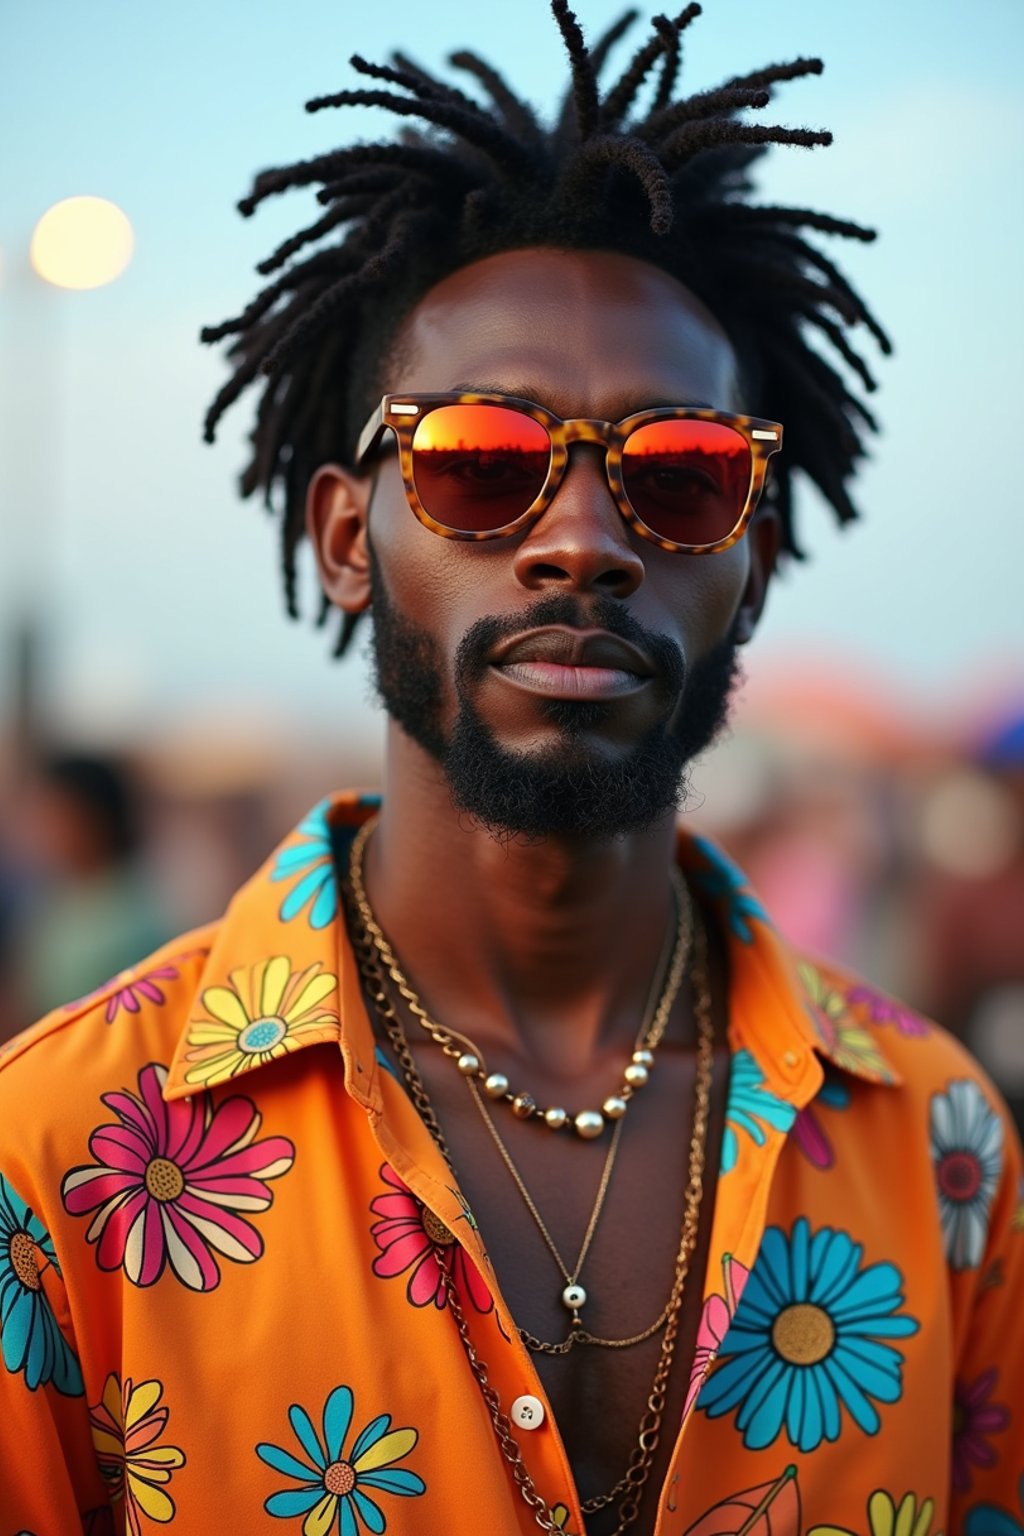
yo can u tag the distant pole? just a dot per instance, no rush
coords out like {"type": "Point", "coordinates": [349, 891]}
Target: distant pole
{"type": "Point", "coordinates": [78, 243]}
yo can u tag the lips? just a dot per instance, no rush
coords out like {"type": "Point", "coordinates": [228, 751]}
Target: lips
{"type": "Point", "coordinates": [573, 648]}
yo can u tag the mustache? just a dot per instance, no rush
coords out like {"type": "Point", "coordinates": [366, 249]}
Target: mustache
{"type": "Point", "coordinates": [477, 644]}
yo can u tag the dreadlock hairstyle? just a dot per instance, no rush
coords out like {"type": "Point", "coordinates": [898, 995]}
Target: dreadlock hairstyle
{"type": "Point", "coordinates": [669, 184]}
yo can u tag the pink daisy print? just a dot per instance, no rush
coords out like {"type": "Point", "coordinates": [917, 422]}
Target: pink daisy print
{"type": "Point", "coordinates": [714, 1325]}
{"type": "Point", "coordinates": [128, 997]}
{"type": "Point", "coordinates": [170, 1181]}
{"type": "Point", "coordinates": [975, 1418]}
{"type": "Point", "coordinates": [885, 1010]}
{"type": "Point", "coordinates": [411, 1237]}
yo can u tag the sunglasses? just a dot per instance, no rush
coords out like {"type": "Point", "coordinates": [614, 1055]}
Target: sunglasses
{"type": "Point", "coordinates": [481, 466]}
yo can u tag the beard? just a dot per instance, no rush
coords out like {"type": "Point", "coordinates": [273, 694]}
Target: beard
{"type": "Point", "coordinates": [573, 789]}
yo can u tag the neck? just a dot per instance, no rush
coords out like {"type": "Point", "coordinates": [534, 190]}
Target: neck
{"type": "Point", "coordinates": [534, 950]}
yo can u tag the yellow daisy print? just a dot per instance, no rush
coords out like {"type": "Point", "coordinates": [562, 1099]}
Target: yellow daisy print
{"type": "Point", "coordinates": [847, 1042]}
{"type": "Point", "coordinates": [266, 1011]}
{"type": "Point", "coordinates": [125, 1428]}
{"type": "Point", "coordinates": [885, 1519]}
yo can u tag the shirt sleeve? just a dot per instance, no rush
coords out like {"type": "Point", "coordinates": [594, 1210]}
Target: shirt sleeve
{"type": "Point", "coordinates": [49, 1480]}
{"type": "Point", "coordinates": [988, 1397]}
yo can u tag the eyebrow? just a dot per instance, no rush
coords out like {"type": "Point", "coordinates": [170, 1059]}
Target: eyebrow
{"type": "Point", "coordinates": [657, 403]}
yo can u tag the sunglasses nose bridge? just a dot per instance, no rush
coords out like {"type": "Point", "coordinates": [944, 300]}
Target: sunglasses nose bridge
{"type": "Point", "coordinates": [585, 430]}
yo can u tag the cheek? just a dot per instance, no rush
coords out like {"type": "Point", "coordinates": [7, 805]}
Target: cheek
{"type": "Point", "coordinates": [705, 601]}
{"type": "Point", "coordinates": [430, 580]}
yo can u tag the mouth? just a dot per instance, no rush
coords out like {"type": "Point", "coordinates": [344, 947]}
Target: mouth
{"type": "Point", "coordinates": [572, 663]}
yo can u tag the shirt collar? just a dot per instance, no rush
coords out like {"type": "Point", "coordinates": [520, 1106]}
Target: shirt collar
{"type": "Point", "coordinates": [783, 1007]}
{"type": "Point", "coordinates": [281, 975]}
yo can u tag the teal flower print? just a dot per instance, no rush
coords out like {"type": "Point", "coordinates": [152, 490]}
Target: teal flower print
{"type": "Point", "coordinates": [728, 884]}
{"type": "Point", "coordinates": [750, 1108]}
{"type": "Point", "coordinates": [30, 1337]}
{"type": "Point", "coordinates": [806, 1341]}
{"type": "Point", "coordinates": [990, 1520]}
{"type": "Point", "coordinates": [333, 1484]}
{"type": "Point", "coordinates": [311, 865]}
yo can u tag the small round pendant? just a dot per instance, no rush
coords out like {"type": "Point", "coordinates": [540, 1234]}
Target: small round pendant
{"type": "Point", "coordinates": [574, 1297]}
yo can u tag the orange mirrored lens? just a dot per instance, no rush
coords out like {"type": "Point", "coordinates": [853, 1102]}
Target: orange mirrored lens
{"type": "Point", "coordinates": [687, 481]}
{"type": "Point", "coordinates": [477, 468]}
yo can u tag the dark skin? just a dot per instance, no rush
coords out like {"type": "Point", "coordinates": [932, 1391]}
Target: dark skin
{"type": "Point", "coordinates": [508, 955]}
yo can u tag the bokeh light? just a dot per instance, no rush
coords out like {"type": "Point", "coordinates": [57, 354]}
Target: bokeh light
{"type": "Point", "coordinates": [82, 242]}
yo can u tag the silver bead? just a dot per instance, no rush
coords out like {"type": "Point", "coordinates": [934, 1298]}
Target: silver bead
{"type": "Point", "coordinates": [636, 1074]}
{"type": "Point", "coordinates": [524, 1105]}
{"type": "Point", "coordinates": [555, 1117]}
{"type": "Point", "coordinates": [468, 1064]}
{"type": "Point", "coordinates": [614, 1108]}
{"type": "Point", "coordinates": [644, 1058]}
{"type": "Point", "coordinates": [574, 1297]}
{"type": "Point", "coordinates": [589, 1123]}
{"type": "Point", "coordinates": [496, 1085]}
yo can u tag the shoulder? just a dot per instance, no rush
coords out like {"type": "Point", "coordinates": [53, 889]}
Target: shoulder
{"type": "Point", "coordinates": [939, 1082]}
{"type": "Point", "coordinates": [53, 1073]}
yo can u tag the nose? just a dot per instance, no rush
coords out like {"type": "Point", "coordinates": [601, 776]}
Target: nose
{"type": "Point", "coordinates": [581, 543]}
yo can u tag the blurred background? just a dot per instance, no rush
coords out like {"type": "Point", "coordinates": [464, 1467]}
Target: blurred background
{"type": "Point", "coordinates": [162, 724]}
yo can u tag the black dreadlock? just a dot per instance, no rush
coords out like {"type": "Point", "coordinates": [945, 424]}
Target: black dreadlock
{"type": "Point", "coordinates": [670, 186]}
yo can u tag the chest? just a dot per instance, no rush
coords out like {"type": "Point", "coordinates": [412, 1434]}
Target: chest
{"type": "Point", "coordinates": [607, 1219]}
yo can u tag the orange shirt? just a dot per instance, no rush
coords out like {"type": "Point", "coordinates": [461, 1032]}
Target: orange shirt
{"type": "Point", "coordinates": [223, 1226]}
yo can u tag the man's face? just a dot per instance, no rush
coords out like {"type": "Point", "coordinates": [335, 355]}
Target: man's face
{"type": "Point", "coordinates": [587, 334]}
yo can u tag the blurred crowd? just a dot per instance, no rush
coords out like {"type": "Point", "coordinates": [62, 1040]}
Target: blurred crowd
{"type": "Point", "coordinates": [897, 850]}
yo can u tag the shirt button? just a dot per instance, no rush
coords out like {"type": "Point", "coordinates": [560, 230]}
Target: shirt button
{"type": "Point", "coordinates": [528, 1412]}
{"type": "Point", "coordinates": [791, 1059]}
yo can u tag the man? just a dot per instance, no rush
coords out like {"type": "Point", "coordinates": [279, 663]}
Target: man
{"type": "Point", "coordinates": [533, 1183]}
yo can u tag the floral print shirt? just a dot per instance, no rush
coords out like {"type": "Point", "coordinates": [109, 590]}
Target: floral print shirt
{"type": "Point", "coordinates": [226, 1238]}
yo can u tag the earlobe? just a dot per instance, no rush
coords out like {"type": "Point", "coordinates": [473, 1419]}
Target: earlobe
{"type": "Point", "coordinates": [336, 509]}
{"type": "Point", "coordinates": [764, 537]}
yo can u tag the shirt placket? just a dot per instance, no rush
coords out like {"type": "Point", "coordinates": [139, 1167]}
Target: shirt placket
{"type": "Point", "coordinates": [491, 1339]}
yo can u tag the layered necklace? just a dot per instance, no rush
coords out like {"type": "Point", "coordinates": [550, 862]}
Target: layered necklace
{"type": "Point", "coordinates": [469, 1059]}
{"type": "Point", "coordinates": [378, 965]}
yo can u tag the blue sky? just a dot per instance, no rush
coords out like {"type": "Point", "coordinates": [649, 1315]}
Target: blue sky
{"type": "Point", "coordinates": [158, 582]}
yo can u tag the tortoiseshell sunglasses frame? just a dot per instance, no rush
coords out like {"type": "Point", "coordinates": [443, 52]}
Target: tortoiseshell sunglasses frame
{"type": "Point", "coordinates": [403, 414]}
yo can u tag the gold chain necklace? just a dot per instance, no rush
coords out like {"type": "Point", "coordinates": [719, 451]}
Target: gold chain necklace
{"type": "Point", "coordinates": [574, 1296]}
{"type": "Point", "coordinates": [630, 1486]}
{"type": "Point", "coordinates": [660, 1001]}
{"type": "Point", "coordinates": [587, 1123]}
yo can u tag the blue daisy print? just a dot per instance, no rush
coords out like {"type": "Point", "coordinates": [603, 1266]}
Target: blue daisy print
{"type": "Point", "coordinates": [30, 1336]}
{"type": "Point", "coordinates": [311, 865]}
{"type": "Point", "coordinates": [750, 1107]}
{"type": "Point", "coordinates": [807, 1341]}
{"type": "Point", "coordinates": [334, 1484]}
{"type": "Point", "coordinates": [728, 884]}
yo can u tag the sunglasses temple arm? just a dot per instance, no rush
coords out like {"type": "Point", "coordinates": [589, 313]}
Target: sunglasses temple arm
{"type": "Point", "coordinates": [371, 433]}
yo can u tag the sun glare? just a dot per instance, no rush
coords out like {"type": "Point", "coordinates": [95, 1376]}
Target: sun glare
{"type": "Point", "coordinates": [82, 242]}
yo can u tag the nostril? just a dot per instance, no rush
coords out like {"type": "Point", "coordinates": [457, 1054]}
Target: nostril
{"type": "Point", "coordinates": [613, 578]}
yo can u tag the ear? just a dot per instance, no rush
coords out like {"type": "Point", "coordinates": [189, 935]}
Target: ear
{"type": "Point", "coordinates": [764, 540]}
{"type": "Point", "coordinates": [336, 509]}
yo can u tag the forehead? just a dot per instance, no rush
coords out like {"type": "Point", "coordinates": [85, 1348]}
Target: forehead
{"type": "Point", "coordinates": [587, 333]}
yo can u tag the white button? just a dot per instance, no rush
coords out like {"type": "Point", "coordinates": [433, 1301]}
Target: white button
{"type": "Point", "coordinates": [528, 1412]}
